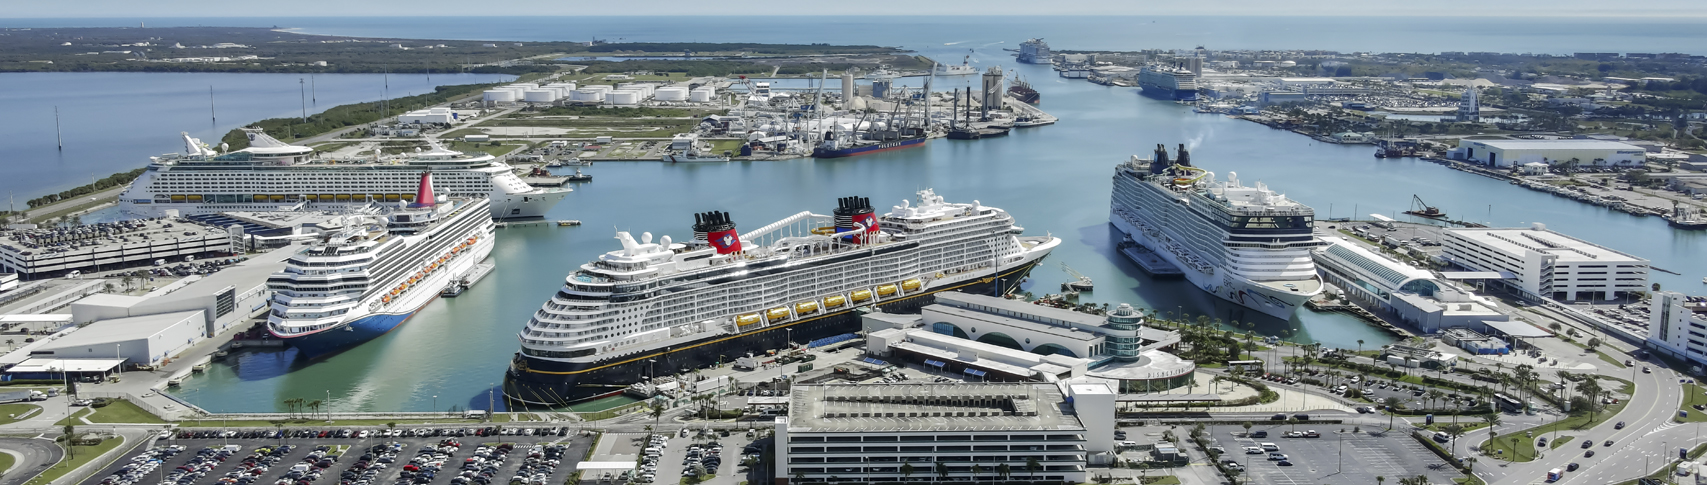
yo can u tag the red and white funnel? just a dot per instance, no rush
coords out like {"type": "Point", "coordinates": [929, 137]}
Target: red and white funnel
{"type": "Point", "coordinates": [424, 192]}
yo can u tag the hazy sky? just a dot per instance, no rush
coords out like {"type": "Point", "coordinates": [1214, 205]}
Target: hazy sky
{"type": "Point", "coordinates": [344, 8]}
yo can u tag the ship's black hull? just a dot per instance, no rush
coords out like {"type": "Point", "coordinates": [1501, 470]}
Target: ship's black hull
{"type": "Point", "coordinates": [531, 381]}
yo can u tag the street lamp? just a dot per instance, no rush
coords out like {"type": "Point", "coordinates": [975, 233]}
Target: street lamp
{"type": "Point", "coordinates": [435, 403]}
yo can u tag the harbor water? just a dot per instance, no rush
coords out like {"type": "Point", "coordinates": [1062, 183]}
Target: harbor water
{"type": "Point", "coordinates": [1054, 179]}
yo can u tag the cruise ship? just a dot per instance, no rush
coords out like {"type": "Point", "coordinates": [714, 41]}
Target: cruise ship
{"type": "Point", "coordinates": [1034, 51]}
{"type": "Point", "coordinates": [1168, 82]}
{"type": "Point", "coordinates": [271, 174]}
{"type": "Point", "coordinates": [1247, 245]}
{"type": "Point", "coordinates": [659, 308]}
{"type": "Point", "coordinates": [362, 281]}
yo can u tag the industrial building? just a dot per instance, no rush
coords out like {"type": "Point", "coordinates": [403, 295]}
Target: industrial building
{"type": "Point", "coordinates": [1587, 153]}
{"type": "Point", "coordinates": [226, 298]}
{"type": "Point", "coordinates": [429, 116]}
{"type": "Point", "coordinates": [1546, 264]}
{"type": "Point", "coordinates": [144, 340]}
{"type": "Point", "coordinates": [1677, 326]}
{"type": "Point", "coordinates": [47, 252]}
{"type": "Point", "coordinates": [1416, 296]}
{"type": "Point", "coordinates": [941, 432]}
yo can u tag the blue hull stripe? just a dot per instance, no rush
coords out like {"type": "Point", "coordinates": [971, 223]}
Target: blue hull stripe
{"type": "Point", "coordinates": [349, 335]}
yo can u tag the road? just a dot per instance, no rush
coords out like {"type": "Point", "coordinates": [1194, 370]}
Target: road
{"type": "Point", "coordinates": [1637, 449]}
{"type": "Point", "coordinates": [33, 455]}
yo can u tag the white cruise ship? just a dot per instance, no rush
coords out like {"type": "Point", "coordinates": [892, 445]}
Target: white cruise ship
{"type": "Point", "coordinates": [366, 279]}
{"type": "Point", "coordinates": [1247, 245]}
{"type": "Point", "coordinates": [271, 175]}
{"type": "Point", "coordinates": [663, 307]}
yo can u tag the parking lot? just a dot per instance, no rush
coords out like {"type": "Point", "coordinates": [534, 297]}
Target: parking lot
{"type": "Point", "coordinates": [1337, 456]}
{"type": "Point", "coordinates": [668, 457]}
{"type": "Point", "coordinates": [403, 456]}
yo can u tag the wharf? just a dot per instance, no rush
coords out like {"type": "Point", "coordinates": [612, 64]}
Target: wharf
{"type": "Point", "coordinates": [478, 272]}
{"type": "Point", "coordinates": [1149, 261]}
{"type": "Point", "coordinates": [1024, 109]}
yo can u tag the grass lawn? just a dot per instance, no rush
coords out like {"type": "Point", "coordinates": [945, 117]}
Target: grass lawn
{"type": "Point", "coordinates": [84, 454]}
{"type": "Point", "coordinates": [496, 151]}
{"type": "Point", "coordinates": [1470, 423]}
{"type": "Point", "coordinates": [1524, 449]}
{"type": "Point", "coordinates": [1560, 442]}
{"type": "Point", "coordinates": [6, 462]}
{"type": "Point", "coordinates": [1691, 396]}
{"type": "Point", "coordinates": [72, 420]}
{"type": "Point", "coordinates": [122, 411]}
{"type": "Point", "coordinates": [10, 410]}
{"type": "Point", "coordinates": [1162, 480]}
{"type": "Point", "coordinates": [718, 146]}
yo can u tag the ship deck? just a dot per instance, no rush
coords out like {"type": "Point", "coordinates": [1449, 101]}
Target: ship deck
{"type": "Point", "coordinates": [1303, 287]}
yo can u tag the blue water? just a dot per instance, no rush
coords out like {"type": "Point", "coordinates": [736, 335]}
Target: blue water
{"type": "Point", "coordinates": [113, 121]}
{"type": "Point", "coordinates": [1054, 179]}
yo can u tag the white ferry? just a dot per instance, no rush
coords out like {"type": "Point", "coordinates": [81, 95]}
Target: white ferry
{"type": "Point", "coordinates": [272, 175]}
{"type": "Point", "coordinates": [1247, 245]}
{"type": "Point", "coordinates": [365, 280]}
{"type": "Point", "coordinates": [663, 307]}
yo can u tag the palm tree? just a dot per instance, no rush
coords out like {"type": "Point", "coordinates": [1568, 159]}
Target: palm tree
{"type": "Point", "coordinates": [1515, 454]}
{"type": "Point", "coordinates": [1392, 407]}
{"type": "Point", "coordinates": [1032, 466]}
{"type": "Point", "coordinates": [1379, 479]}
{"type": "Point", "coordinates": [1360, 346]}
{"type": "Point", "coordinates": [1590, 387]}
{"type": "Point", "coordinates": [1004, 471]}
{"type": "Point", "coordinates": [314, 406]}
{"type": "Point", "coordinates": [1453, 430]}
{"type": "Point", "coordinates": [70, 450]}
{"type": "Point", "coordinates": [976, 470]}
{"type": "Point", "coordinates": [1434, 395]}
{"type": "Point", "coordinates": [942, 470]}
{"type": "Point", "coordinates": [906, 471]}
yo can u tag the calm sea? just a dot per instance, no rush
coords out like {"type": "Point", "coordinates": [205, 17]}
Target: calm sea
{"type": "Point", "coordinates": [1054, 179]}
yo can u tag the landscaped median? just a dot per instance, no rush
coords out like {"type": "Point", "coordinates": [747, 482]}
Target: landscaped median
{"type": "Point", "coordinates": [113, 411]}
{"type": "Point", "coordinates": [1692, 396]}
{"type": "Point", "coordinates": [80, 455]}
{"type": "Point", "coordinates": [1520, 447]}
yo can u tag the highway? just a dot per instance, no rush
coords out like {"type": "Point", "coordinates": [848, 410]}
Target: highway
{"type": "Point", "coordinates": [1648, 440]}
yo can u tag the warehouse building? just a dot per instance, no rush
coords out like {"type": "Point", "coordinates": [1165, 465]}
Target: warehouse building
{"type": "Point", "coordinates": [1586, 153]}
{"type": "Point", "coordinates": [1547, 264]}
{"type": "Point", "coordinates": [874, 433]}
{"type": "Point", "coordinates": [1416, 296]}
{"type": "Point", "coordinates": [142, 340]}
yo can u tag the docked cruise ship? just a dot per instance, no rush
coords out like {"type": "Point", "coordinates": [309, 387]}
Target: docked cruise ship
{"type": "Point", "coordinates": [658, 308]}
{"type": "Point", "coordinates": [360, 282]}
{"type": "Point", "coordinates": [1168, 82]}
{"type": "Point", "coordinates": [1034, 51]}
{"type": "Point", "coordinates": [1248, 245]}
{"type": "Point", "coordinates": [271, 174]}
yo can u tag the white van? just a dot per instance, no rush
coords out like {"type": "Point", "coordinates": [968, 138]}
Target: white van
{"type": "Point", "coordinates": [1270, 447]}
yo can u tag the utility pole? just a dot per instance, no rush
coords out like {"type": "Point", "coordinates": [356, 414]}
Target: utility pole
{"type": "Point", "coordinates": [312, 97]}
{"type": "Point", "coordinates": [212, 115]}
{"type": "Point", "coordinates": [302, 93]}
{"type": "Point", "coordinates": [57, 136]}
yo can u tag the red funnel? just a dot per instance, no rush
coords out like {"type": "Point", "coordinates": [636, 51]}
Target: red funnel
{"type": "Point", "coordinates": [424, 193]}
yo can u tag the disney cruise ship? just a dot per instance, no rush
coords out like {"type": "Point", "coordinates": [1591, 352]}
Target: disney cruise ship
{"type": "Point", "coordinates": [663, 307]}
{"type": "Point", "coordinates": [271, 174]}
{"type": "Point", "coordinates": [1247, 245]}
{"type": "Point", "coordinates": [360, 282]}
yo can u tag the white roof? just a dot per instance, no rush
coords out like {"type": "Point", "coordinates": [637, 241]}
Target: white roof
{"type": "Point", "coordinates": [1568, 249]}
{"type": "Point", "coordinates": [1556, 144]}
{"type": "Point", "coordinates": [122, 330]}
{"type": "Point", "coordinates": [36, 318]}
{"type": "Point", "coordinates": [46, 364]}
{"type": "Point", "coordinates": [605, 465]}
{"type": "Point", "coordinates": [1517, 329]}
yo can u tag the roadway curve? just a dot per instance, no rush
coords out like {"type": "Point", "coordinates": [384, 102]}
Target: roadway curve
{"type": "Point", "coordinates": [33, 456]}
{"type": "Point", "coordinates": [1648, 428]}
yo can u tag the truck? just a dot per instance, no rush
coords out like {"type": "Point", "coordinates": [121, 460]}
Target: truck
{"type": "Point", "coordinates": [1555, 475]}
{"type": "Point", "coordinates": [21, 396]}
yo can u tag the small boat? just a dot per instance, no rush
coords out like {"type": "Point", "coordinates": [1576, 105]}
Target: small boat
{"type": "Point", "coordinates": [579, 177]}
{"type": "Point", "coordinates": [174, 383]}
{"type": "Point", "coordinates": [453, 289]}
{"type": "Point", "coordinates": [568, 223]}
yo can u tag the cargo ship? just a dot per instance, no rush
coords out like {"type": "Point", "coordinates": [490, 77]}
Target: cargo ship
{"type": "Point", "coordinates": [1247, 245]}
{"type": "Point", "coordinates": [662, 308]}
{"type": "Point", "coordinates": [362, 281]}
{"type": "Point", "coordinates": [1022, 91]}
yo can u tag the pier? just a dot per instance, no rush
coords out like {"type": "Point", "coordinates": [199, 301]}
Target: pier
{"type": "Point", "coordinates": [1150, 261]}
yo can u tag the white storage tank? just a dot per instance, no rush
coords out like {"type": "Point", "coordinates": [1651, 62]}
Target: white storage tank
{"type": "Point", "coordinates": [672, 94]}
{"type": "Point", "coordinates": [594, 95]}
{"type": "Point", "coordinates": [499, 95]}
{"type": "Point", "coordinates": [623, 97]}
{"type": "Point", "coordinates": [603, 88]}
{"type": "Point", "coordinates": [702, 94]}
{"type": "Point", "coordinates": [540, 95]}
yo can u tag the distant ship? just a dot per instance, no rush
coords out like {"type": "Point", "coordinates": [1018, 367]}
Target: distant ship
{"type": "Point", "coordinates": [1022, 91]}
{"type": "Point", "coordinates": [1167, 82]}
{"type": "Point", "coordinates": [662, 308]}
{"type": "Point", "coordinates": [364, 280]}
{"type": "Point", "coordinates": [1246, 245]}
{"type": "Point", "coordinates": [1034, 51]}
{"type": "Point", "coordinates": [963, 69]}
{"type": "Point", "coordinates": [271, 174]}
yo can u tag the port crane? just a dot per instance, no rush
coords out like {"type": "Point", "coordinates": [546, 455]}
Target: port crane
{"type": "Point", "coordinates": [1082, 283]}
{"type": "Point", "coordinates": [1422, 209]}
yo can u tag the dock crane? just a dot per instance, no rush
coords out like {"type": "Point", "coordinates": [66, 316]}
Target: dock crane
{"type": "Point", "coordinates": [1422, 209]}
{"type": "Point", "coordinates": [1082, 283]}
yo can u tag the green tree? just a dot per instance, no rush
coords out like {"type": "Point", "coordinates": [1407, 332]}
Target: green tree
{"type": "Point", "coordinates": [1454, 430]}
{"type": "Point", "coordinates": [1004, 471]}
{"type": "Point", "coordinates": [1247, 425]}
{"type": "Point", "coordinates": [907, 470]}
{"type": "Point", "coordinates": [1032, 466]}
{"type": "Point", "coordinates": [1392, 404]}
{"type": "Point", "coordinates": [70, 451]}
{"type": "Point", "coordinates": [942, 470]}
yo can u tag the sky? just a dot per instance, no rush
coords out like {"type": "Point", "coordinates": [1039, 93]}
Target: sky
{"type": "Point", "coordinates": [344, 8]}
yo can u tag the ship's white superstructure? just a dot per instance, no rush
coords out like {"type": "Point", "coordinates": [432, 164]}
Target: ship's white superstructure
{"type": "Point", "coordinates": [272, 175]}
{"type": "Point", "coordinates": [1248, 245]}
{"type": "Point", "coordinates": [659, 296]}
{"type": "Point", "coordinates": [363, 280]}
